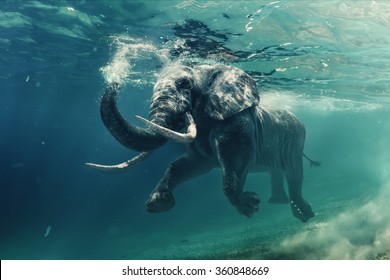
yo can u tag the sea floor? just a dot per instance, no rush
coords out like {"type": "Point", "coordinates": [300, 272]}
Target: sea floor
{"type": "Point", "coordinates": [258, 238]}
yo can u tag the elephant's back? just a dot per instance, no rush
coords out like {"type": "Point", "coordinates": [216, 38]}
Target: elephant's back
{"type": "Point", "coordinates": [279, 118]}
{"type": "Point", "coordinates": [281, 136]}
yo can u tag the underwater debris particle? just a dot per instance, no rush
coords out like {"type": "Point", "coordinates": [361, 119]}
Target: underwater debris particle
{"type": "Point", "coordinates": [17, 165]}
{"type": "Point", "coordinates": [47, 231]}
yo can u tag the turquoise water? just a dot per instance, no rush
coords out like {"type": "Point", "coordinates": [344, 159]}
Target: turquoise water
{"type": "Point", "coordinates": [326, 61]}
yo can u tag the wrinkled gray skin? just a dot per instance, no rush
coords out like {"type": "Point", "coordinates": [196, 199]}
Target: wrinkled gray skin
{"type": "Point", "coordinates": [234, 133]}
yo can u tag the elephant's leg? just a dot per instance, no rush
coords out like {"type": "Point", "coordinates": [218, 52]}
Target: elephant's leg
{"type": "Point", "coordinates": [234, 160]}
{"type": "Point", "coordinates": [300, 208]}
{"type": "Point", "coordinates": [182, 169]}
{"type": "Point", "coordinates": [278, 194]}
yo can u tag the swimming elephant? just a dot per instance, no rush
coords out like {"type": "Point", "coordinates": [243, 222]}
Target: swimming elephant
{"type": "Point", "coordinates": [218, 107]}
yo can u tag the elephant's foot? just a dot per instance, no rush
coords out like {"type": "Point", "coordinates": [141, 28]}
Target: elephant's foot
{"type": "Point", "coordinates": [278, 198]}
{"type": "Point", "coordinates": [248, 204]}
{"type": "Point", "coordinates": [160, 201]}
{"type": "Point", "coordinates": [302, 210]}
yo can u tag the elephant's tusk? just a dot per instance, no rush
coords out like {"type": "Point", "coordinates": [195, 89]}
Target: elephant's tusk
{"type": "Point", "coordinates": [121, 166]}
{"type": "Point", "coordinates": [176, 136]}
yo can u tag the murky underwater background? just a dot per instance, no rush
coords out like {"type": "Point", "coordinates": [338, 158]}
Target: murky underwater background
{"type": "Point", "coordinates": [327, 61]}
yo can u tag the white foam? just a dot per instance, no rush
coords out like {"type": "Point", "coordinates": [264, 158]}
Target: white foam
{"type": "Point", "coordinates": [290, 100]}
{"type": "Point", "coordinates": [132, 59]}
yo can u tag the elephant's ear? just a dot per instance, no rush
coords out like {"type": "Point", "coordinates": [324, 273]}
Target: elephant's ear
{"type": "Point", "coordinates": [229, 91]}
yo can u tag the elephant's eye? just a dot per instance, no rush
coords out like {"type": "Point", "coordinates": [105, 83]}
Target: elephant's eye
{"type": "Point", "coordinates": [183, 83]}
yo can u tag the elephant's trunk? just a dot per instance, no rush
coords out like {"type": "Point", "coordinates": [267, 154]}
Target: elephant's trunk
{"type": "Point", "coordinates": [129, 135]}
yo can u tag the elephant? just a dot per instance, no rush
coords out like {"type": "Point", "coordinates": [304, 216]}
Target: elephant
{"type": "Point", "coordinates": [215, 111]}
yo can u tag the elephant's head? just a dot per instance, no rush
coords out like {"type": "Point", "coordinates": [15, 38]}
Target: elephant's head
{"type": "Point", "coordinates": [218, 91]}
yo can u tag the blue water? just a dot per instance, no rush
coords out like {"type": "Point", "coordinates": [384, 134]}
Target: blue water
{"type": "Point", "coordinates": [326, 61]}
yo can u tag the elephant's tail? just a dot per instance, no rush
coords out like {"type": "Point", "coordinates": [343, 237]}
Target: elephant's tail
{"type": "Point", "coordinates": [312, 162]}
